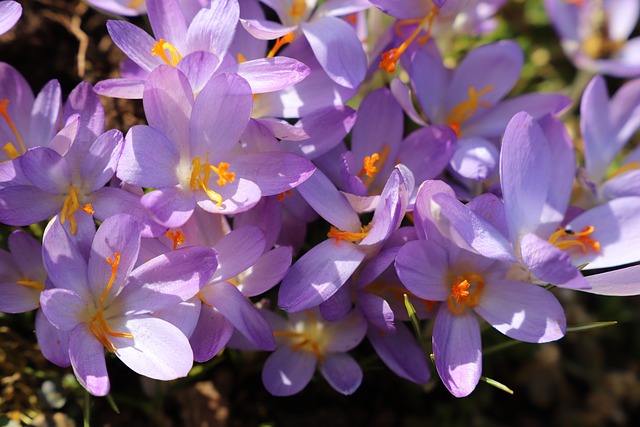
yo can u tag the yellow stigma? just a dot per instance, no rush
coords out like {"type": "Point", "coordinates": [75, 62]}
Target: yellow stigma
{"type": "Point", "coordinates": [564, 239]}
{"type": "Point", "coordinates": [465, 292]}
{"type": "Point", "coordinates": [280, 42]}
{"type": "Point", "coordinates": [162, 47]}
{"type": "Point", "coordinates": [133, 4]}
{"type": "Point", "coordinates": [200, 173]}
{"type": "Point", "coordinates": [10, 150]}
{"type": "Point", "coordinates": [70, 206]}
{"type": "Point", "coordinates": [349, 236]}
{"type": "Point", "coordinates": [391, 57]}
{"type": "Point", "coordinates": [98, 324]}
{"type": "Point", "coordinates": [177, 238]}
{"type": "Point", "coordinates": [464, 110]}
{"type": "Point", "coordinates": [372, 164]}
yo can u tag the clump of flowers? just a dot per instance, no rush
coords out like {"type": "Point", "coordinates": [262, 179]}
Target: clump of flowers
{"type": "Point", "coordinates": [177, 239]}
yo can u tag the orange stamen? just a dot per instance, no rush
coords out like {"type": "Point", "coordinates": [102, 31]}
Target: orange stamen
{"type": "Point", "coordinates": [135, 3]}
{"type": "Point", "coordinates": [280, 42]}
{"type": "Point", "coordinates": [286, 193]}
{"type": "Point", "coordinates": [4, 113]}
{"type": "Point", "coordinates": [160, 49]}
{"type": "Point", "coordinates": [224, 177]}
{"type": "Point", "coordinates": [201, 298]}
{"type": "Point", "coordinates": [70, 206]}
{"type": "Point", "coordinates": [624, 169]}
{"type": "Point", "coordinates": [98, 324]}
{"type": "Point", "coordinates": [298, 8]}
{"type": "Point", "coordinates": [464, 110]}
{"type": "Point", "coordinates": [391, 57]}
{"type": "Point", "coordinates": [200, 173]}
{"type": "Point", "coordinates": [564, 239]}
{"type": "Point", "coordinates": [349, 236]}
{"type": "Point", "coordinates": [34, 284]}
{"type": "Point", "coordinates": [177, 238]}
{"type": "Point", "coordinates": [465, 291]}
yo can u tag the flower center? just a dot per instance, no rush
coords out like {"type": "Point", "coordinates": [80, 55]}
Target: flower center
{"type": "Point", "coordinates": [308, 336]}
{"type": "Point", "coordinates": [9, 149]}
{"type": "Point", "coordinates": [70, 206]}
{"type": "Point", "coordinates": [98, 324]}
{"type": "Point", "coordinates": [176, 237]}
{"type": "Point", "coordinates": [464, 110]}
{"type": "Point", "coordinates": [391, 57]}
{"type": "Point", "coordinates": [564, 239]}
{"type": "Point", "coordinates": [369, 168]}
{"type": "Point", "coordinates": [465, 292]}
{"type": "Point", "coordinates": [162, 47]}
{"type": "Point", "coordinates": [298, 8]}
{"type": "Point", "coordinates": [200, 173]}
{"type": "Point", "coordinates": [348, 235]}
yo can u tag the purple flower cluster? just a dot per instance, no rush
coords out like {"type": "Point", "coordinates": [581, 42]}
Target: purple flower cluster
{"type": "Point", "coordinates": [469, 214]}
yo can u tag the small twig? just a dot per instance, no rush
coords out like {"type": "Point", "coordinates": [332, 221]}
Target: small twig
{"type": "Point", "coordinates": [72, 24]}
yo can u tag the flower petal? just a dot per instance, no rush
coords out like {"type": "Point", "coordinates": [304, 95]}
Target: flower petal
{"type": "Point", "coordinates": [287, 372]}
{"type": "Point", "coordinates": [342, 372]}
{"type": "Point", "coordinates": [87, 359]}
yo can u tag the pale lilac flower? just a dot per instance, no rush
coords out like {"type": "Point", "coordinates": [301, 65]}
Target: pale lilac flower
{"type": "Point", "coordinates": [594, 34]}
{"type": "Point", "coordinates": [334, 42]}
{"type": "Point", "coordinates": [470, 284]}
{"type": "Point", "coordinates": [306, 341]}
{"type": "Point", "coordinates": [191, 152]}
{"type": "Point", "coordinates": [198, 47]}
{"type": "Point", "coordinates": [107, 304]}
{"type": "Point", "coordinates": [469, 99]}
{"type": "Point", "coordinates": [10, 12]}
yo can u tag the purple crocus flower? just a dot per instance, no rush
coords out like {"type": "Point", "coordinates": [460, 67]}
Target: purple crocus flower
{"type": "Point", "coordinates": [191, 153]}
{"type": "Point", "coordinates": [107, 304]}
{"type": "Point", "coordinates": [471, 284]}
{"type": "Point", "coordinates": [322, 271]}
{"type": "Point", "coordinates": [594, 34]}
{"type": "Point", "coordinates": [198, 47]}
{"type": "Point", "coordinates": [306, 341]}
{"type": "Point", "coordinates": [469, 99]}
{"type": "Point", "coordinates": [10, 12]}
{"type": "Point", "coordinates": [333, 41]}
{"type": "Point", "coordinates": [607, 125]}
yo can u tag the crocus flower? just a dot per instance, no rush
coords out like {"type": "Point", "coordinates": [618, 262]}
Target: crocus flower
{"type": "Point", "coordinates": [198, 47]}
{"type": "Point", "coordinates": [606, 126]}
{"type": "Point", "coordinates": [469, 99]}
{"type": "Point", "coordinates": [470, 284]}
{"type": "Point", "coordinates": [106, 304]}
{"type": "Point", "coordinates": [10, 12]}
{"type": "Point", "coordinates": [594, 34]}
{"type": "Point", "coordinates": [191, 153]}
{"type": "Point", "coordinates": [306, 341]}
{"type": "Point", "coordinates": [322, 271]}
{"type": "Point", "coordinates": [333, 41]}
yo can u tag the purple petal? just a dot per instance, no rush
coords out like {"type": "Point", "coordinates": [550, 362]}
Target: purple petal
{"type": "Point", "coordinates": [168, 279]}
{"type": "Point", "coordinates": [30, 259]}
{"type": "Point", "coordinates": [10, 12]}
{"type": "Point", "coordinates": [88, 362]}
{"type": "Point", "coordinates": [287, 372]}
{"type": "Point", "coordinates": [167, 21]}
{"type": "Point", "coordinates": [64, 308]}
{"type": "Point", "coordinates": [26, 205]}
{"type": "Point", "coordinates": [239, 196]}
{"type": "Point", "coordinates": [148, 159]}
{"type": "Point", "coordinates": [199, 67]}
{"type": "Point", "coordinates": [522, 311]}
{"type": "Point", "coordinates": [622, 282]}
{"type": "Point", "coordinates": [170, 207]}
{"type": "Point", "coordinates": [266, 30]}
{"type": "Point", "coordinates": [121, 88]}
{"type": "Point", "coordinates": [266, 170]}
{"type": "Point", "coordinates": [147, 353]}
{"type": "Point", "coordinates": [18, 298]}
{"type": "Point", "coordinates": [550, 264]}
{"type": "Point", "coordinates": [318, 274]}
{"type": "Point", "coordinates": [211, 334]}
{"type": "Point", "coordinates": [47, 170]}
{"type": "Point", "coordinates": [524, 174]}
{"type": "Point", "coordinates": [402, 94]}
{"type": "Point", "coordinates": [342, 372]}
{"type": "Point", "coordinates": [237, 251]}
{"type": "Point", "coordinates": [220, 115]}
{"type": "Point", "coordinates": [213, 28]}
{"type": "Point", "coordinates": [423, 268]}
{"type": "Point", "coordinates": [457, 350]}
{"type": "Point", "coordinates": [168, 102]}
{"type": "Point", "coordinates": [345, 333]}
{"type": "Point", "coordinates": [266, 272]}
{"type": "Point", "coordinates": [53, 342]}
{"type": "Point", "coordinates": [338, 50]}
{"type": "Point", "coordinates": [246, 318]}
{"type": "Point", "coordinates": [46, 112]}
{"type": "Point", "coordinates": [401, 353]}
{"type": "Point", "coordinates": [135, 43]}
{"type": "Point", "coordinates": [99, 165]}
{"type": "Point", "coordinates": [596, 129]}
{"type": "Point", "coordinates": [475, 158]}
{"type": "Point", "coordinates": [271, 74]}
